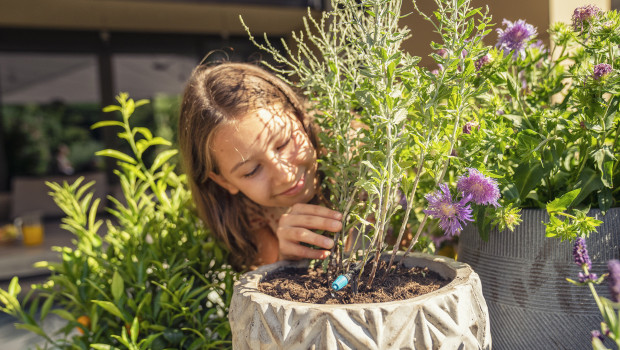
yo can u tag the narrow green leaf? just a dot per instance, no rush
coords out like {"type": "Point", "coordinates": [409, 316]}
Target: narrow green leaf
{"type": "Point", "coordinates": [46, 306]}
{"type": "Point", "coordinates": [144, 131]}
{"type": "Point", "coordinates": [64, 314]}
{"type": "Point", "coordinates": [110, 307]}
{"type": "Point", "coordinates": [107, 123]}
{"type": "Point", "coordinates": [118, 286]}
{"type": "Point", "coordinates": [162, 158]}
{"type": "Point", "coordinates": [111, 108]}
{"type": "Point", "coordinates": [135, 330]}
{"type": "Point", "coordinates": [14, 288]}
{"type": "Point", "coordinates": [32, 328]}
{"type": "Point", "coordinates": [116, 154]}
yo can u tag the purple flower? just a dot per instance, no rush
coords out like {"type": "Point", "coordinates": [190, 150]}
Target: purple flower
{"type": "Point", "coordinates": [468, 126]}
{"type": "Point", "coordinates": [515, 36]}
{"type": "Point", "coordinates": [584, 14]}
{"type": "Point", "coordinates": [482, 61]}
{"type": "Point", "coordinates": [442, 52]}
{"type": "Point", "coordinates": [580, 253]}
{"type": "Point", "coordinates": [587, 278]}
{"type": "Point", "coordinates": [601, 70]}
{"type": "Point", "coordinates": [403, 200]}
{"type": "Point", "coordinates": [483, 190]}
{"type": "Point", "coordinates": [597, 334]}
{"type": "Point", "coordinates": [614, 279]}
{"type": "Point", "coordinates": [451, 214]}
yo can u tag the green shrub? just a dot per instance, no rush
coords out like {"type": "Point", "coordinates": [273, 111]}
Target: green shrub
{"type": "Point", "coordinates": [155, 280]}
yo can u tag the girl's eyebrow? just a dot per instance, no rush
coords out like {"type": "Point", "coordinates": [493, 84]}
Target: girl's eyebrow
{"type": "Point", "coordinates": [240, 164]}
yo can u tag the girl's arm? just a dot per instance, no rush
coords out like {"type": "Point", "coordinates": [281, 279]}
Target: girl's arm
{"type": "Point", "coordinates": [267, 246]}
{"type": "Point", "coordinates": [295, 228]}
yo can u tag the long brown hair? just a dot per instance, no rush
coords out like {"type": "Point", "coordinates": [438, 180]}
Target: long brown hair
{"type": "Point", "coordinates": [215, 95]}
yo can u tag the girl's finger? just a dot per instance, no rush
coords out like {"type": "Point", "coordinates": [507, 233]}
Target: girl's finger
{"type": "Point", "coordinates": [305, 236]}
{"type": "Point", "coordinates": [314, 210]}
{"type": "Point", "coordinates": [310, 222]}
{"type": "Point", "coordinates": [293, 251]}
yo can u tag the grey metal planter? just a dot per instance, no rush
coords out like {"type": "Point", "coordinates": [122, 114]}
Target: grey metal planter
{"type": "Point", "coordinates": [523, 273]}
{"type": "Point", "coordinates": [452, 317]}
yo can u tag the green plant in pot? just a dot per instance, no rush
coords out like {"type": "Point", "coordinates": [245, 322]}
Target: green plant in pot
{"type": "Point", "coordinates": [389, 128]}
{"type": "Point", "coordinates": [154, 280]}
{"type": "Point", "coordinates": [549, 127]}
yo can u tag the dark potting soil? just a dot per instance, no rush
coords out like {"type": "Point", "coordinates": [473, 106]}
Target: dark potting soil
{"type": "Point", "coordinates": [311, 285]}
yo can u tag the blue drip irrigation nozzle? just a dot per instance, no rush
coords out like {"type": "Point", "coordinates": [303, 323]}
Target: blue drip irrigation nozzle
{"type": "Point", "coordinates": [340, 282]}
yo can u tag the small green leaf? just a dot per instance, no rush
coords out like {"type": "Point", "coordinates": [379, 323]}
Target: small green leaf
{"type": "Point", "coordinates": [14, 287]}
{"type": "Point", "coordinates": [64, 314]}
{"type": "Point", "coordinates": [135, 329]}
{"type": "Point", "coordinates": [46, 306]}
{"type": "Point", "coordinates": [562, 203]}
{"type": "Point", "coordinates": [162, 158]}
{"type": "Point", "coordinates": [116, 154]}
{"type": "Point", "coordinates": [118, 286]}
{"type": "Point", "coordinates": [107, 123]}
{"type": "Point", "coordinates": [111, 308]}
{"type": "Point", "coordinates": [111, 108]}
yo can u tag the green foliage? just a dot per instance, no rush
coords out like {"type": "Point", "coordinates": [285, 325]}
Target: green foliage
{"type": "Point", "coordinates": [549, 124]}
{"type": "Point", "coordinates": [389, 125]}
{"type": "Point", "coordinates": [155, 280]}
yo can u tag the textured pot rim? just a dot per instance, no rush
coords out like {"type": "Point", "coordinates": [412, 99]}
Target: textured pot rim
{"type": "Point", "coordinates": [460, 274]}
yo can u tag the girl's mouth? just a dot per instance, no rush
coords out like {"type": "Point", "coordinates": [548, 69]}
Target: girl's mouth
{"type": "Point", "coordinates": [296, 188]}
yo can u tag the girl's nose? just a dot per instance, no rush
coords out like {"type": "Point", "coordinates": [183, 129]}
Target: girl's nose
{"type": "Point", "coordinates": [283, 171]}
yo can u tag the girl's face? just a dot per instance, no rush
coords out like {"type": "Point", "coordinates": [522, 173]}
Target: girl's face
{"type": "Point", "coordinates": [267, 156]}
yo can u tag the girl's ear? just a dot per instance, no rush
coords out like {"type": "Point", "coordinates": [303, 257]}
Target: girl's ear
{"type": "Point", "coordinates": [220, 180]}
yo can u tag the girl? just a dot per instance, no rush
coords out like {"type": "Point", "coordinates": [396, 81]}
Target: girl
{"type": "Point", "coordinates": [250, 155]}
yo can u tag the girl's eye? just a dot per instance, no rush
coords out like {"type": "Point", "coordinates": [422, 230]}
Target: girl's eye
{"type": "Point", "coordinates": [284, 144]}
{"type": "Point", "coordinates": [252, 172]}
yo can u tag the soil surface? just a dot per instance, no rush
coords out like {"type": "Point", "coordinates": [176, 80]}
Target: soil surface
{"type": "Point", "coordinates": [311, 286]}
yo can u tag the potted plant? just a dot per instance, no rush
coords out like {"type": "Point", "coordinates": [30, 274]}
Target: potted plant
{"type": "Point", "coordinates": [389, 128]}
{"type": "Point", "coordinates": [154, 279]}
{"type": "Point", "coordinates": [549, 129]}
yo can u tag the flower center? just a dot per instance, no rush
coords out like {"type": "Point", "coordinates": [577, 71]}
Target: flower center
{"type": "Point", "coordinates": [477, 189]}
{"type": "Point", "coordinates": [448, 210]}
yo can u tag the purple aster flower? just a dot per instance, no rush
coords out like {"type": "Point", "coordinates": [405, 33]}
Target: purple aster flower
{"type": "Point", "coordinates": [584, 14]}
{"type": "Point", "coordinates": [482, 189]}
{"type": "Point", "coordinates": [580, 253]}
{"type": "Point", "coordinates": [601, 70]}
{"type": "Point", "coordinates": [482, 61]}
{"type": "Point", "coordinates": [451, 214]}
{"type": "Point", "coordinates": [515, 36]}
{"type": "Point", "coordinates": [614, 279]}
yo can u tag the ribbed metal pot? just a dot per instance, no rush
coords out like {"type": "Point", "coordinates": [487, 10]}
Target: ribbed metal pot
{"type": "Point", "coordinates": [523, 274]}
{"type": "Point", "coordinates": [452, 317]}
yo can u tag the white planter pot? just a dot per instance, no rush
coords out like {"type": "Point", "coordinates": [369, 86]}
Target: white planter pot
{"type": "Point", "coordinates": [523, 273]}
{"type": "Point", "coordinates": [452, 317]}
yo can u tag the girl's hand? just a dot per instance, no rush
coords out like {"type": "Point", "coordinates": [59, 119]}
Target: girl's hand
{"type": "Point", "coordinates": [294, 228]}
